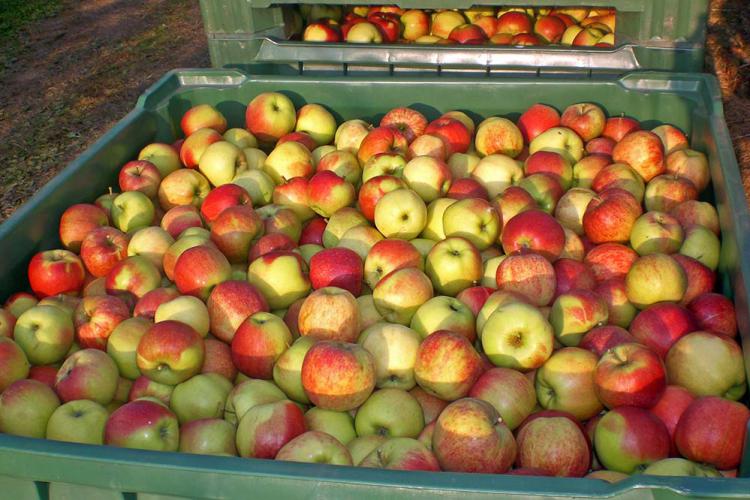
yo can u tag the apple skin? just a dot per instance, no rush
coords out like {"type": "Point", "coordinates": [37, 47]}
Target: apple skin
{"type": "Point", "coordinates": [571, 207]}
{"type": "Point", "coordinates": [312, 232]}
{"type": "Point", "coordinates": [537, 118]}
{"type": "Point", "coordinates": [338, 424]}
{"type": "Point", "coordinates": [202, 116]}
{"type": "Point", "coordinates": [559, 139]}
{"type": "Point", "coordinates": [287, 371]}
{"type": "Point", "coordinates": [7, 323]}
{"type": "Point", "coordinates": [551, 29]}
{"type": "Point", "coordinates": [555, 442]}
{"type": "Point", "coordinates": [330, 313]}
{"type": "Point", "coordinates": [470, 437]}
{"type": "Point", "coordinates": [321, 32]}
{"type": "Point", "coordinates": [390, 412]}
{"type": "Point", "coordinates": [447, 365]}
{"type": "Point", "coordinates": [690, 164]}
{"type": "Point", "coordinates": [15, 365]}
{"type": "Point", "coordinates": [671, 137]}
{"type": "Point", "coordinates": [453, 264]}
{"type": "Point", "coordinates": [475, 297]}
{"type": "Point", "coordinates": [170, 352]}
{"type": "Point", "coordinates": [510, 392]}
{"type": "Point", "coordinates": [401, 453]}
{"type": "Point", "coordinates": [201, 396]}
{"type": "Point", "coordinates": [431, 405]}
{"type": "Point", "coordinates": [401, 214]}
{"type": "Point", "coordinates": [468, 34]}
{"type": "Point", "coordinates": [643, 151]}
{"type": "Point", "coordinates": [229, 303]}
{"type": "Point", "coordinates": [349, 135]}
{"type": "Point", "coordinates": [77, 221]}
{"type": "Point", "coordinates": [218, 359]}
{"type": "Point", "coordinates": [258, 343]}
{"type": "Point", "coordinates": [163, 156]}
{"type": "Point", "coordinates": [702, 213]}
{"type": "Point", "coordinates": [629, 375]}
{"type": "Point", "coordinates": [269, 116]}
{"type": "Point", "coordinates": [680, 467]}
{"type": "Point", "coordinates": [337, 267]}
{"type": "Point", "coordinates": [248, 394]}
{"type": "Point", "coordinates": [95, 319]}
{"type": "Point", "coordinates": [400, 293]}
{"type": "Point", "coordinates": [669, 408]}
{"type": "Point", "coordinates": [87, 374]}
{"type": "Point", "coordinates": [410, 122]}
{"type": "Point", "coordinates": [26, 407]}
{"type": "Point", "coordinates": [572, 275]}
{"type": "Point", "coordinates": [143, 388]}
{"type": "Point", "coordinates": [576, 312]}
{"type": "Point", "coordinates": [382, 140]}
{"type": "Point", "coordinates": [139, 175]}
{"type": "Point", "coordinates": [20, 302]}
{"type": "Point", "coordinates": [707, 364]}
{"type": "Point", "coordinates": [610, 261]}
{"type": "Point", "coordinates": [655, 278]}
{"type": "Point", "coordinates": [628, 437]}
{"type": "Point", "coordinates": [665, 192]}
{"type": "Point", "coordinates": [266, 428]}
{"type": "Point", "coordinates": [373, 190]}
{"type": "Point", "coordinates": [183, 187]}
{"type": "Point", "coordinates": [208, 436]}
{"type": "Point", "coordinates": [79, 421]}
{"type": "Point", "coordinates": [702, 280]}
{"type": "Point", "coordinates": [587, 168]}
{"type": "Point", "coordinates": [514, 22]}
{"type": "Point", "coordinates": [416, 23]}
{"type": "Point", "coordinates": [315, 447]}
{"type": "Point", "coordinates": [714, 312]}
{"type": "Point", "coordinates": [279, 277]}
{"type": "Point", "coordinates": [45, 333]}
{"type": "Point", "coordinates": [444, 313]}
{"type": "Point", "coordinates": [234, 231]}
{"type": "Point", "coordinates": [454, 133]}
{"type": "Point", "coordinates": [142, 424]}
{"type": "Point", "coordinates": [662, 324]}
{"type": "Point", "coordinates": [565, 382]}
{"type": "Point", "coordinates": [600, 146]}
{"type": "Point", "coordinates": [199, 269]}
{"type": "Point", "coordinates": [619, 175]}
{"type": "Point", "coordinates": [585, 119]}
{"type": "Point", "coordinates": [610, 216]}
{"type": "Point", "coordinates": [52, 272]}
{"type": "Point", "coordinates": [271, 243]}
{"type": "Point", "coordinates": [338, 376]}
{"type": "Point", "coordinates": [528, 274]}
{"type": "Point", "coordinates": [601, 339]}
{"type": "Point", "coordinates": [712, 430]}
{"type": "Point", "coordinates": [536, 231]}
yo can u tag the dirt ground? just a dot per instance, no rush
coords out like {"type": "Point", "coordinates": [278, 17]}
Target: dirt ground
{"type": "Point", "coordinates": [72, 76]}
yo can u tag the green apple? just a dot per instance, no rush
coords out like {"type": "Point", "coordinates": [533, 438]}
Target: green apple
{"type": "Point", "coordinates": [423, 246]}
{"type": "Point", "coordinates": [341, 221]}
{"type": "Point", "coordinates": [383, 164]}
{"type": "Point", "coordinates": [131, 211]}
{"type": "Point", "coordinates": [258, 185]}
{"type": "Point", "coordinates": [123, 342]}
{"type": "Point", "coordinates": [575, 313]}
{"type": "Point", "coordinates": [474, 219]}
{"type": "Point", "coordinates": [221, 162]}
{"type": "Point", "coordinates": [248, 394]}
{"type": "Point", "coordinates": [315, 447]}
{"type": "Point", "coordinates": [434, 230]}
{"type": "Point", "coordinates": [561, 140]}
{"type": "Point", "coordinates": [288, 160]}
{"type": "Point", "coordinates": [496, 172]}
{"type": "Point", "coordinates": [571, 207]}
{"type": "Point", "coordinates": [489, 271]}
{"type": "Point", "coordinates": [495, 300]}
{"type": "Point", "coordinates": [25, 408]}
{"type": "Point", "coordinates": [202, 396]}
{"type": "Point", "coordinates": [316, 121]}
{"type": "Point", "coordinates": [399, 294]}
{"type": "Point", "coordinates": [279, 276]}
{"type": "Point", "coordinates": [45, 333]}
{"type": "Point", "coordinates": [453, 265]}
{"type": "Point", "coordinates": [368, 314]}
{"type": "Point", "coordinates": [78, 421]}
{"type": "Point", "coordinates": [509, 391]}
{"type": "Point", "coordinates": [394, 351]}
{"type": "Point", "coordinates": [391, 413]}
{"type": "Point", "coordinates": [188, 309]}
{"type": "Point", "coordinates": [703, 245]}
{"type": "Point", "coordinates": [462, 164]}
{"type": "Point", "coordinates": [565, 382]}
{"type": "Point", "coordinates": [401, 214]}
{"type": "Point", "coordinates": [359, 239]}
{"type": "Point", "coordinates": [13, 363]}
{"type": "Point", "coordinates": [338, 424]}
{"type": "Point", "coordinates": [288, 368]}
{"type": "Point", "coordinates": [429, 177]}
{"type": "Point", "coordinates": [517, 335]}
{"type": "Point", "coordinates": [655, 278]}
{"type": "Point", "coordinates": [444, 313]}
{"type": "Point", "coordinates": [362, 446]}
{"type": "Point", "coordinates": [240, 138]}
{"type": "Point", "coordinates": [656, 232]}
{"type": "Point", "coordinates": [208, 436]}
{"type": "Point", "coordinates": [680, 467]}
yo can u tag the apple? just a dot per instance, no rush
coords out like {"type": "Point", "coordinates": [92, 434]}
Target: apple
{"type": "Point", "coordinates": [279, 277]}
{"type": "Point", "coordinates": [360, 239]}
{"type": "Point", "coordinates": [52, 272]}
{"type": "Point", "coordinates": [444, 313]}
{"type": "Point", "coordinates": [44, 373]}
{"type": "Point", "coordinates": [664, 192]}
{"type": "Point", "coordinates": [13, 362]}
{"type": "Point", "coordinates": [514, 22]}
{"type": "Point", "coordinates": [712, 431]}
{"type": "Point", "coordinates": [45, 333]}
{"type": "Point", "coordinates": [235, 230]}
{"type": "Point", "coordinates": [571, 275]}
{"type": "Point", "coordinates": [401, 453]}
{"type": "Point", "coordinates": [428, 145]}
{"type": "Point", "coordinates": [20, 302]}
{"type": "Point", "coordinates": [315, 447]}
{"type": "Point", "coordinates": [79, 421]}
{"type": "Point", "coordinates": [714, 312]}
{"type": "Point", "coordinates": [338, 424]}
{"type": "Point", "coordinates": [587, 168]}
{"type": "Point", "coordinates": [534, 231]}
{"type": "Point", "coordinates": [144, 388]}
{"type": "Point", "coordinates": [248, 394]}
{"type": "Point", "coordinates": [26, 407]}
{"type": "Point", "coordinates": [142, 424]}
{"type": "Point", "coordinates": [528, 274]}
{"type": "Point", "coordinates": [170, 352]}
{"type": "Point", "coordinates": [660, 325]}
{"type": "Point", "coordinates": [349, 135]}
{"type": "Point", "coordinates": [671, 137]}
{"type": "Point", "coordinates": [680, 467]}
{"type": "Point", "coordinates": [394, 351]}
{"type": "Point", "coordinates": [512, 201]}
{"type": "Point", "coordinates": [576, 312]}
{"type": "Point", "coordinates": [342, 163]}
{"type": "Point", "coordinates": [429, 177]}
{"type": "Point", "coordinates": [551, 29]}
{"type": "Point", "coordinates": [627, 438]}
{"type": "Point", "coordinates": [469, 437]}
{"type": "Point", "coordinates": [462, 189]}
{"type": "Point", "coordinates": [565, 382]}
{"type": "Point", "coordinates": [690, 164]}
{"type": "Point", "coordinates": [601, 339]}
{"type": "Point", "coordinates": [586, 119]}
{"type": "Point", "coordinates": [670, 407]}
{"type": "Point", "coordinates": [381, 140]}
{"type": "Point", "coordinates": [700, 280]}
{"type": "Point", "coordinates": [183, 187]}
{"type": "Point", "coordinates": [692, 212]}
{"type": "Point", "coordinates": [462, 164]}
{"type": "Point", "coordinates": [643, 151]}
{"type": "Point", "coordinates": [288, 367]}
{"type": "Point", "coordinates": [656, 232]}
{"type": "Point", "coordinates": [610, 216]}
{"type": "Point", "coordinates": [416, 23]}
{"type": "Point", "coordinates": [401, 214]}
{"type": "Point", "coordinates": [186, 309]}
{"type": "Point", "coordinates": [330, 313]}
{"type": "Point", "coordinates": [707, 364]}
{"type": "Point", "coordinates": [399, 294]}
{"type": "Point", "coordinates": [552, 163]}
{"type": "Point", "coordinates": [496, 173]}
{"type": "Point", "coordinates": [140, 175]}
{"type": "Point", "coordinates": [509, 392]}
{"type": "Point", "coordinates": [443, 22]}
{"type": "Point", "coordinates": [619, 175]}
{"type": "Point", "coordinates": [201, 396]}
{"type": "Point", "coordinates": [178, 219]}
{"type": "Point", "coordinates": [312, 232]}
{"type": "Point", "coordinates": [208, 436]}
{"type": "Point", "coordinates": [390, 412]}
{"type": "Point", "coordinates": [151, 242]}
{"type": "Point", "coordinates": [387, 256]}
{"type": "Point", "coordinates": [241, 138]}
{"type": "Point", "coordinates": [95, 319]}
{"type": "Point", "coordinates": [703, 245]}
{"type": "Point", "coordinates": [202, 116]}
{"type": "Point", "coordinates": [337, 267]}
{"type": "Point", "coordinates": [258, 184]}
{"type": "Point", "coordinates": [468, 34]}
{"type": "Point", "coordinates": [410, 122]}
{"type": "Point", "coordinates": [655, 278]}
{"type": "Point", "coordinates": [539, 117]}
{"type": "Point", "coordinates": [163, 156]}
{"type": "Point", "coordinates": [123, 342]}
{"type": "Point", "coordinates": [455, 134]}
{"type": "Point", "coordinates": [475, 297]}
{"type": "Point", "coordinates": [327, 193]}
{"type": "Point", "coordinates": [77, 221]}
{"type": "Point", "coordinates": [194, 146]}
{"type": "Point", "coordinates": [363, 32]}
{"type": "Point", "coordinates": [497, 135]}
{"type": "Point", "coordinates": [559, 139]}
{"type": "Point", "coordinates": [610, 261]}
{"type": "Point", "coordinates": [368, 314]}
{"type": "Point", "coordinates": [269, 243]}
{"type": "Point", "coordinates": [452, 265]}
{"type": "Point", "coordinates": [339, 223]}
{"type": "Point", "coordinates": [447, 365]}
{"type": "Point", "coordinates": [614, 293]}
{"type": "Point", "coordinates": [258, 343]}
{"type": "Point", "coordinates": [199, 269]}
{"type": "Point", "coordinates": [555, 442]}
{"type": "Point", "coordinates": [279, 219]}
{"type": "Point", "coordinates": [629, 375]}
{"type": "Point", "coordinates": [269, 116]}
{"type": "Point", "coordinates": [288, 160]}
{"type": "Point", "coordinates": [87, 374]}
{"type": "Point", "coordinates": [544, 188]}
{"type": "Point", "coordinates": [338, 376]}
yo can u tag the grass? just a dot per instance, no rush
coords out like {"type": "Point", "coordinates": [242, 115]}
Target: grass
{"type": "Point", "coordinates": [15, 15]}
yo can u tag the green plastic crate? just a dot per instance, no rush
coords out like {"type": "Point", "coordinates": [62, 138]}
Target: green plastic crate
{"type": "Point", "coordinates": [664, 35]}
{"type": "Point", "coordinates": [35, 468]}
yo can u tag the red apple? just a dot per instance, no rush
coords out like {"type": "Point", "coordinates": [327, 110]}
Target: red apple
{"type": "Point", "coordinates": [475, 297]}
{"type": "Point", "coordinates": [258, 343]}
{"type": "Point", "coordinates": [202, 116]}
{"type": "Point", "coordinates": [447, 365]}
{"type": "Point", "coordinates": [610, 216]}
{"type": "Point", "coordinates": [670, 407]}
{"type": "Point", "coordinates": [382, 140]}
{"type": "Point", "coordinates": [312, 233]}
{"type": "Point", "coordinates": [603, 338]}
{"type": "Point", "coordinates": [572, 275]}
{"type": "Point", "coordinates": [643, 151]}
{"type": "Point", "coordinates": [630, 375]}
{"type": "Point", "coordinates": [95, 319]}
{"type": "Point", "coordinates": [338, 376]}
{"type": "Point", "coordinates": [410, 122]}
{"type": "Point", "coordinates": [454, 134]}
{"type": "Point", "coordinates": [610, 261]}
{"type": "Point", "coordinates": [233, 232]}
{"type": "Point", "coordinates": [222, 197]}
{"type": "Point", "coordinates": [600, 146]}
{"type": "Point", "coordinates": [147, 305]}
{"type": "Point", "coordinates": [229, 304]}
{"type": "Point", "coordinates": [170, 352]}
{"type": "Point", "coordinates": [550, 28]}
{"type": "Point", "coordinates": [555, 442]}
{"type": "Point", "coordinates": [339, 267]}
{"type": "Point", "coordinates": [628, 437]}
{"type": "Point", "coordinates": [199, 269]}
{"type": "Point", "coordinates": [714, 312]}
{"type": "Point", "coordinates": [143, 424]}
{"type": "Point", "coordinates": [79, 220]}
{"type": "Point", "coordinates": [535, 231]}
{"type": "Point", "coordinates": [661, 325]}
{"type": "Point", "coordinates": [52, 272]}
{"type": "Point", "coordinates": [514, 22]}
{"type": "Point", "coordinates": [538, 118]}
{"type": "Point", "coordinates": [140, 175]}
{"type": "Point", "coordinates": [102, 248]}
{"type": "Point", "coordinates": [468, 34]}
{"type": "Point", "coordinates": [528, 274]}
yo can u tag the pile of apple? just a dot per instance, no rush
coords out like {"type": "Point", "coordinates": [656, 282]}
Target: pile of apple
{"type": "Point", "coordinates": [534, 296]}
{"type": "Point", "coordinates": [578, 26]}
